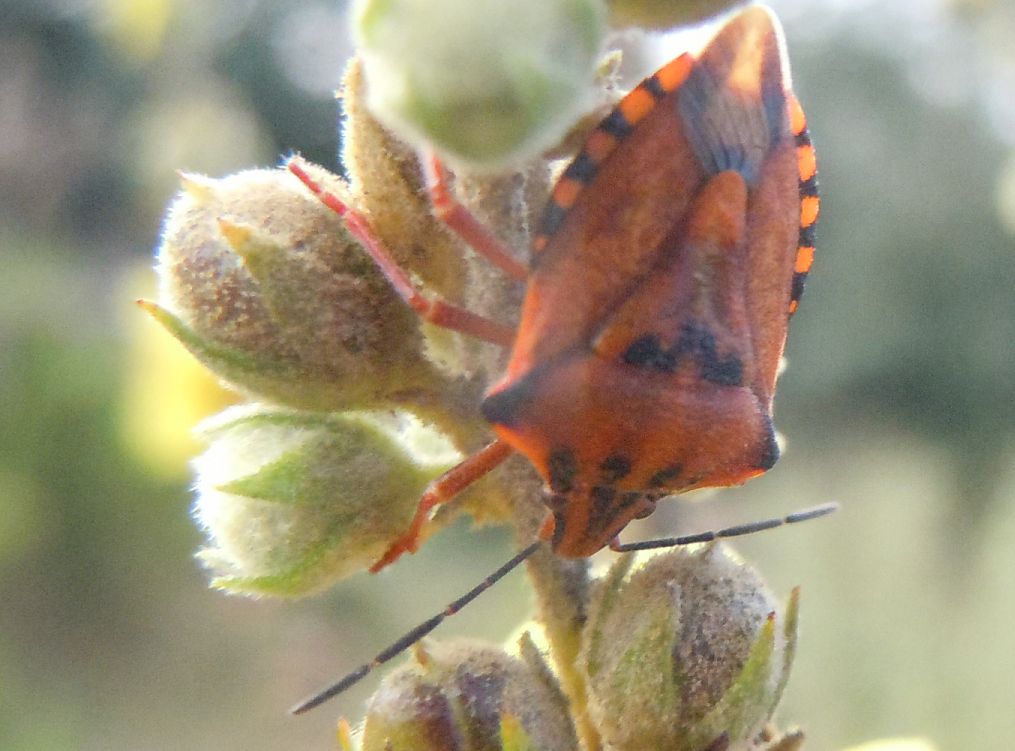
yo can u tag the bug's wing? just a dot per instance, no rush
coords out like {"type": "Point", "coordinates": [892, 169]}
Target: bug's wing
{"type": "Point", "coordinates": [609, 213]}
{"type": "Point", "coordinates": [737, 106]}
{"type": "Point", "coordinates": [620, 213]}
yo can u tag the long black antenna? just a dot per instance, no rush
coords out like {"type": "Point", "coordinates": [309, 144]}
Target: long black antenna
{"type": "Point", "coordinates": [738, 531]}
{"type": "Point", "coordinates": [417, 633]}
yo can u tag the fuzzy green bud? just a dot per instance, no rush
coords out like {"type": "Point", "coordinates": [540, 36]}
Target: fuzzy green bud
{"type": "Point", "coordinates": [292, 501]}
{"type": "Point", "coordinates": [385, 176]}
{"type": "Point", "coordinates": [486, 82]}
{"type": "Point", "coordinates": [664, 14]}
{"type": "Point", "coordinates": [467, 696]}
{"type": "Point", "coordinates": [685, 653]}
{"type": "Point", "coordinates": [264, 285]}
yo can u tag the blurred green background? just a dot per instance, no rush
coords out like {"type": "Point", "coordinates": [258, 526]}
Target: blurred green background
{"type": "Point", "coordinates": [899, 401]}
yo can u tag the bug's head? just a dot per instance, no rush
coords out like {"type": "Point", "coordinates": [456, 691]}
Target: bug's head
{"type": "Point", "coordinates": [609, 439]}
{"type": "Point", "coordinates": [589, 492]}
{"type": "Point", "coordinates": [583, 521]}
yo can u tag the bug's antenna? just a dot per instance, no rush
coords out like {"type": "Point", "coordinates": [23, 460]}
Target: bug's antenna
{"type": "Point", "coordinates": [424, 628]}
{"type": "Point", "coordinates": [413, 636]}
{"type": "Point", "coordinates": [738, 531]}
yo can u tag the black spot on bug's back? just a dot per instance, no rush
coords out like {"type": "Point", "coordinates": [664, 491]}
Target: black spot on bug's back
{"type": "Point", "coordinates": [797, 288]}
{"type": "Point", "coordinates": [665, 476]}
{"type": "Point", "coordinates": [654, 87]}
{"type": "Point", "coordinates": [809, 187]}
{"type": "Point", "coordinates": [615, 467]}
{"type": "Point", "coordinates": [582, 169]}
{"type": "Point", "coordinates": [697, 342]}
{"type": "Point", "coordinates": [728, 371]}
{"type": "Point", "coordinates": [807, 236]}
{"type": "Point", "coordinates": [562, 467]}
{"type": "Point", "coordinates": [616, 125]}
{"type": "Point", "coordinates": [647, 352]}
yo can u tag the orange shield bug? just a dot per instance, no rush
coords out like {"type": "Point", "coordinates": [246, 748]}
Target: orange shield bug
{"type": "Point", "coordinates": [670, 257]}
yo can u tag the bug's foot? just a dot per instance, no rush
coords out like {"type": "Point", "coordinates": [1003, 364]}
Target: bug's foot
{"type": "Point", "coordinates": [407, 543]}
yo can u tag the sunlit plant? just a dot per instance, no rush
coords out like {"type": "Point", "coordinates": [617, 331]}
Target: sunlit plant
{"type": "Point", "coordinates": [354, 405]}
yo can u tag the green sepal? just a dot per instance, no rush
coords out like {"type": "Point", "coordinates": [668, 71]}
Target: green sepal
{"type": "Point", "coordinates": [303, 576]}
{"type": "Point", "coordinates": [664, 14]}
{"type": "Point", "coordinates": [747, 700]}
{"type": "Point", "coordinates": [497, 87]}
{"type": "Point", "coordinates": [216, 357]}
{"type": "Point", "coordinates": [791, 620]}
{"type": "Point", "coordinates": [611, 589]}
{"type": "Point", "coordinates": [292, 501]}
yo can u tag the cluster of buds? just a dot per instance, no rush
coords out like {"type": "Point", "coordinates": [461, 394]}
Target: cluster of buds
{"type": "Point", "coordinates": [689, 652]}
{"type": "Point", "coordinates": [355, 405]}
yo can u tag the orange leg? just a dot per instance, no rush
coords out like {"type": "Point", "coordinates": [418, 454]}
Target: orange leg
{"type": "Point", "coordinates": [441, 490]}
{"type": "Point", "coordinates": [463, 223]}
{"type": "Point", "coordinates": [437, 311]}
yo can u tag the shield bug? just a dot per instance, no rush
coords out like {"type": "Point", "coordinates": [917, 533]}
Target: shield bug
{"type": "Point", "coordinates": [669, 260]}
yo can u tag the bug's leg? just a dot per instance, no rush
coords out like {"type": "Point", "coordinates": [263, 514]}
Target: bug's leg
{"type": "Point", "coordinates": [463, 223]}
{"type": "Point", "coordinates": [435, 311]}
{"type": "Point", "coordinates": [441, 490]}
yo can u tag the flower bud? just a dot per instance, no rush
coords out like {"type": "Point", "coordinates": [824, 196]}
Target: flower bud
{"type": "Point", "coordinates": [265, 286]}
{"type": "Point", "coordinates": [385, 175]}
{"type": "Point", "coordinates": [664, 14]}
{"type": "Point", "coordinates": [467, 696]}
{"type": "Point", "coordinates": [386, 178]}
{"type": "Point", "coordinates": [685, 652]}
{"type": "Point", "coordinates": [484, 81]}
{"type": "Point", "coordinates": [292, 501]}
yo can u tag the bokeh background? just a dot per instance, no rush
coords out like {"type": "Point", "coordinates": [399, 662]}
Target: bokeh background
{"type": "Point", "coordinates": [899, 401]}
